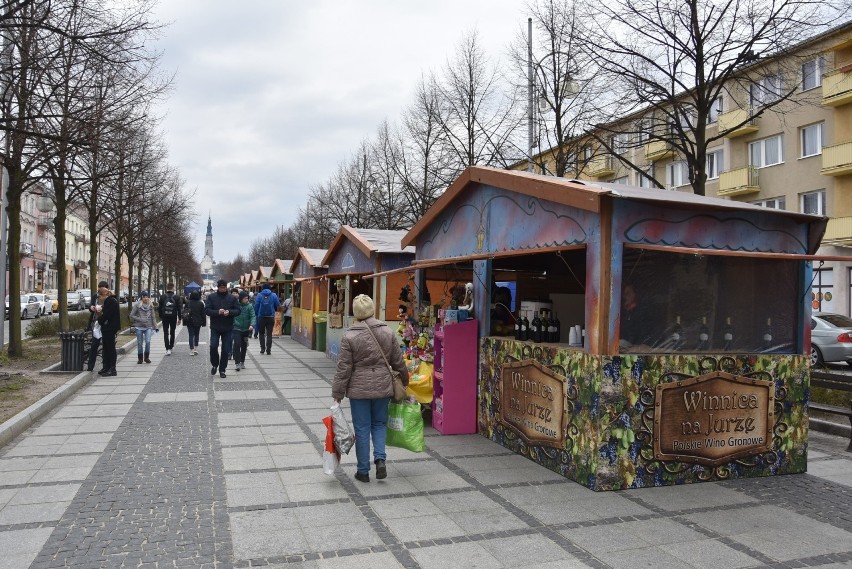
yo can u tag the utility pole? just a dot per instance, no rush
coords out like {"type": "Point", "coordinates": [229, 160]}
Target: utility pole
{"type": "Point", "coordinates": [6, 86]}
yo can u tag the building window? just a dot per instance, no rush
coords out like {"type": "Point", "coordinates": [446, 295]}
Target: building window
{"type": "Point", "coordinates": [715, 111]}
{"type": "Point", "coordinates": [813, 138]}
{"type": "Point", "coordinates": [618, 143]}
{"type": "Point", "coordinates": [646, 179]}
{"type": "Point", "coordinates": [822, 290]}
{"type": "Point", "coordinates": [766, 90]}
{"type": "Point", "coordinates": [812, 73]}
{"type": "Point", "coordinates": [774, 203]}
{"type": "Point", "coordinates": [814, 202]}
{"type": "Point", "coordinates": [622, 180]}
{"type": "Point", "coordinates": [677, 174]}
{"type": "Point", "coordinates": [715, 163]}
{"type": "Point", "coordinates": [766, 152]}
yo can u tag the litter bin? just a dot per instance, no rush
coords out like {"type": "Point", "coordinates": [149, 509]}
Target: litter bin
{"type": "Point", "coordinates": [73, 349]}
{"type": "Point", "coordinates": [321, 321]}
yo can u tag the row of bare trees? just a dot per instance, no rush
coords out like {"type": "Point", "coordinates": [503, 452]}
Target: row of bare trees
{"type": "Point", "coordinates": [78, 83]}
{"type": "Point", "coordinates": [606, 77]}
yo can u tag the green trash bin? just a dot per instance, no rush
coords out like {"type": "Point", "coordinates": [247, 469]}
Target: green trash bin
{"type": "Point", "coordinates": [321, 321]}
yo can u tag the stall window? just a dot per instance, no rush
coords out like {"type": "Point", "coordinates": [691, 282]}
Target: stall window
{"type": "Point", "coordinates": [822, 291]}
{"type": "Point", "coordinates": [673, 302]}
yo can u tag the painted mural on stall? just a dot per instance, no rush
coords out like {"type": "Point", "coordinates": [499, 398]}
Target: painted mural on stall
{"type": "Point", "coordinates": [492, 220]}
{"type": "Point", "coordinates": [302, 326]}
{"type": "Point", "coordinates": [609, 414]}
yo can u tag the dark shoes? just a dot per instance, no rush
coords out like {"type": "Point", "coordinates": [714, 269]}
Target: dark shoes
{"type": "Point", "coordinates": [140, 359]}
{"type": "Point", "coordinates": [362, 477]}
{"type": "Point", "coordinates": [222, 374]}
{"type": "Point", "coordinates": [381, 470]}
{"type": "Point", "coordinates": [213, 370]}
{"type": "Point", "coordinates": [147, 358]}
{"type": "Point", "coordinates": [262, 351]}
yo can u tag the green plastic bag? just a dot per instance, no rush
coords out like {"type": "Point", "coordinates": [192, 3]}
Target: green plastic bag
{"type": "Point", "coordinates": [405, 426]}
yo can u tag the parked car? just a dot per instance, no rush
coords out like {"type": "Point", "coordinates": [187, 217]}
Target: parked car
{"type": "Point", "coordinates": [30, 307]}
{"type": "Point", "coordinates": [44, 302]}
{"type": "Point", "coordinates": [831, 338]}
{"type": "Point", "coordinates": [80, 299]}
{"type": "Point", "coordinates": [54, 301]}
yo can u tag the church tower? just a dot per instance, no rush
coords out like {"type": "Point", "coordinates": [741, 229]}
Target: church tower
{"type": "Point", "coordinates": [207, 261]}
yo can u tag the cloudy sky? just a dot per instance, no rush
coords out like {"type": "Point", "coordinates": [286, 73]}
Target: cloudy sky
{"type": "Point", "coordinates": [270, 96]}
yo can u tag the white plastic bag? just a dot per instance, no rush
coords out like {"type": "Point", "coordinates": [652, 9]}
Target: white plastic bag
{"type": "Point", "coordinates": [96, 330]}
{"type": "Point", "coordinates": [344, 437]}
{"type": "Point", "coordinates": [330, 462]}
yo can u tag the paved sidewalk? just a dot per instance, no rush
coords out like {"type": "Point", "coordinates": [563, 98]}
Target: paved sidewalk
{"type": "Point", "coordinates": [168, 466]}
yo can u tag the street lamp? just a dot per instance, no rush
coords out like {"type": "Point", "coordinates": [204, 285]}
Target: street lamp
{"type": "Point", "coordinates": [44, 203]}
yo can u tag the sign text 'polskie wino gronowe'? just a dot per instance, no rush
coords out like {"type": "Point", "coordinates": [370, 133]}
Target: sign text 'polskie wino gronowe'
{"type": "Point", "coordinates": [712, 419]}
{"type": "Point", "coordinates": [532, 403]}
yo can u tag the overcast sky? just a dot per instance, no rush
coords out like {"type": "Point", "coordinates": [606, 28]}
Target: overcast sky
{"type": "Point", "coordinates": [270, 96]}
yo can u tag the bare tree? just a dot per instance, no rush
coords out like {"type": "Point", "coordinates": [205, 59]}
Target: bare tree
{"type": "Point", "coordinates": [669, 61]}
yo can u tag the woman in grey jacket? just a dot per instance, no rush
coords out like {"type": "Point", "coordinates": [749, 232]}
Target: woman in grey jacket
{"type": "Point", "coordinates": [142, 318]}
{"type": "Point", "coordinates": [363, 377]}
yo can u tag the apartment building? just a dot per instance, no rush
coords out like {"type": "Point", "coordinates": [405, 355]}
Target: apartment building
{"type": "Point", "coordinates": [797, 157]}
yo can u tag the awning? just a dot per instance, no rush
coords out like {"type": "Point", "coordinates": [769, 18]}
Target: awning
{"type": "Point", "coordinates": [729, 253]}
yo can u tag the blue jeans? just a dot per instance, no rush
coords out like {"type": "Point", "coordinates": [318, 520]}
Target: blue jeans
{"type": "Point", "coordinates": [194, 332]}
{"type": "Point", "coordinates": [140, 334]}
{"type": "Point", "coordinates": [369, 417]}
{"type": "Point", "coordinates": [215, 360]}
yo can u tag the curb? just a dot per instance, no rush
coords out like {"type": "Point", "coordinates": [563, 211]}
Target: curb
{"type": "Point", "coordinates": [823, 426]}
{"type": "Point", "coordinates": [26, 418]}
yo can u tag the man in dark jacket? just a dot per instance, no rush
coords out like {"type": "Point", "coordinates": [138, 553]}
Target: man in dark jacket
{"type": "Point", "coordinates": [265, 307]}
{"type": "Point", "coordinates": [110, 321]}
{"type": "Point", "coordinates": [169, 309]}
{"type": "Point", "coordinates": [222, 308]}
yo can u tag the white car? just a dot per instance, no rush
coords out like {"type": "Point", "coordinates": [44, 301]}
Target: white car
{"type": "Point", "coordinates": [45, 302]}
{"type": "Point", "coordinates": [30, 307]}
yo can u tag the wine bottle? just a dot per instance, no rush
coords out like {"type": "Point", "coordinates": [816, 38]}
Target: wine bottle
{"type": "Point", "coordinates": [703, 335]}
{"type": "Point", "coordinates": [728, 334]}
{"type": "Point", "coordinates": [545, 327]}
{"type": "Point", "coordinates": [536, 328]}
{"type": "Point", "coordinates": [525, 328]}
{"type": "Point", "coordinates": [677, 334]}
{"type": "Point", "coordinates": [557, 329]}
{"type": "Point", "coordinates": [518, 326]}
{"type": "Point", "coordinates": [767, 334]}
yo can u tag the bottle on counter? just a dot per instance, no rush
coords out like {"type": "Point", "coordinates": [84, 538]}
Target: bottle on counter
{"type": "Point", "coordinates": [703, 335]}
{"type": "Point", "coordinates": [677, 334]}
{"type": "Point", "coordinates": [556, 334]}
{"type": "Point", "coordinates": [545, 327]}
{"type": "Point", "coordinates": [518, 326]}
{"type": "Point", "coordinates": [525, 328]}
{"type": "Point", "coordinates": [728, 334]}
{"type": "Point", "coordinates": [536, 328]}
{"type": "Point", "coordinates": [767, 334]}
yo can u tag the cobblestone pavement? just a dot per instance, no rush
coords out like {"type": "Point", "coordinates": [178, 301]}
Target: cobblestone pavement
{"type": "Point", "coordinates": [168, 466]}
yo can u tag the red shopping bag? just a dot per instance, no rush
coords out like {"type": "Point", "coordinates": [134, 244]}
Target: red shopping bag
{"type": "Point", "coordinates": [330, 456]}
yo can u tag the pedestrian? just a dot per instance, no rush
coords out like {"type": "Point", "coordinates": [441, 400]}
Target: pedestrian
{"type": "Point", "coordinates": [244, 325]}
{"type": "Point", "coordinates": [142, 318]}
{"type": "Point", "coordinates": [265, 306]}
{"type": "Point", "coordinates": [222, 308]}
{"type": "Point", "coordinates": [194, 320]}
{"type": "Point", "coordinates": [169, 308]}
{"type": "Point", "coordinates": [362, 376]}
{"type": "Point", "coordinates": [110, 323]}
{"type": "Point", "coordinates": [95, 308]}
{"type": "Point", "coordinates": [287, 313]}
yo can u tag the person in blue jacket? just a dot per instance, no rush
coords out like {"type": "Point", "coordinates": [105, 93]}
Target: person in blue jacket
{"type": "Point", "coordinates": [265, 306]}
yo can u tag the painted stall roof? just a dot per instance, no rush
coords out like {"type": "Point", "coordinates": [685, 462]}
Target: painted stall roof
{"type": "Point", "coordinates": [369, 241]}
{"type": "Point", "coordinates": [586, 195]}
{"type": "Point", "coordinates": [313, 257]}
{"type": "Point", "coordinates": [283, 265]}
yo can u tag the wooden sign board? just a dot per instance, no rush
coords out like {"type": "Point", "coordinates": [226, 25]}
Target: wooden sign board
{"type": "Point", "coordinates": [712, 419]}
{"type": "Point", "coordinates": [532, 403]}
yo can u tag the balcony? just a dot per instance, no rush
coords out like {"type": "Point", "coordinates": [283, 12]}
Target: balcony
{"type": "Point", "coordinates": [26, 249]}
{"type": "Point", "coordinates": [837, 160]}
{"type": "Point", "coordinates": [838, 232]}
{"type": "Point", "coordinates": [601, 166]}
{"type": "Point", "coordinates": [729, 121]}
{"type": "Point", "coordinates": [658, 149]}
{"type": "Point", "coordinates": [739, 182]}
{"type": "Point", "coordinates": [45, 221]}
{"type": "Point", "coordinates": [837, 87]}
{"type": "Point", "coordinates": [81, 265]}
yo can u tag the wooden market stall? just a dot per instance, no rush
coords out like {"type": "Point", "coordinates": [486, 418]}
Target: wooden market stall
{"type": "Point", "coordinates": [310, 297]}
{"type": "Point", "coordinates": [679, 353]}
{"type": "Point", "coordinates": [354, 254]}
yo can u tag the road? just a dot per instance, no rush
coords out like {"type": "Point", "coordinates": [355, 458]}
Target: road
{"type": "Point", "coordinates": [24, 325]}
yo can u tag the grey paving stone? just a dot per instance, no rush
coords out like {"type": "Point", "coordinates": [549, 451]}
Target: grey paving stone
{"type": "Point", "coordinates": [456, 556]}
{"type": "Point", "coordinates": [431, 526]}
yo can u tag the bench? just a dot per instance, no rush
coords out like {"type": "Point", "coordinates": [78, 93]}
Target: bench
{"type": "Point", "coordinates": [837, 382]}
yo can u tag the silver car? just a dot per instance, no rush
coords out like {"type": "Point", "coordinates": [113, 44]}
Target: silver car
{"type": "Point", "coordinates": [45, 303]}
{"type": "Point", "coordinates": [831, 338]}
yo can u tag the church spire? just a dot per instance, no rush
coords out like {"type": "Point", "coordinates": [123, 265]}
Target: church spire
{"type": "Point", "coordinates": [209, 225]}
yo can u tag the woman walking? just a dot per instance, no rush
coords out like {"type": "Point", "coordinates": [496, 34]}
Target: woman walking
{"type": "Point", "coordinates": [363, 377]}
{"type": "Point", "coordinates": [142, 318]}
{"type": "Point", "coordinates": [195, 321]}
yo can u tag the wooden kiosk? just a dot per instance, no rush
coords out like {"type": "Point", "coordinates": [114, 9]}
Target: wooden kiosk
{"type": "Point", "coordinates": [353, 255]}
{"type": "Point", "coordinates": [688, 317]}
{"type": "Point", "coordinates": [310, 295]}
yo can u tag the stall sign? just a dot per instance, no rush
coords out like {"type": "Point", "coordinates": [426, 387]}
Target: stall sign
{"type": "Point", "coordinates": [533, 403]}
{"type": "Point", "coordinates": [712, 419]}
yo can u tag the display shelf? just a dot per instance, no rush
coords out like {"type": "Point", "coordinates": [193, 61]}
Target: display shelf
{"type": "Point", "coordinates": [454, 403]}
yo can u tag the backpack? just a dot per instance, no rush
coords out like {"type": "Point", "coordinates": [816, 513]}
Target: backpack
{"type": "Point", "coordinates": [185, 314]}
{"type": "Point", "coordinates": [169, 305]}
{"type": "Point", "coordinates": [266, 308]}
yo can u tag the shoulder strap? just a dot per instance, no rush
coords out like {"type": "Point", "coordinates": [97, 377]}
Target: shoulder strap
{"type": "Point", "coordinates": [381, 351]}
